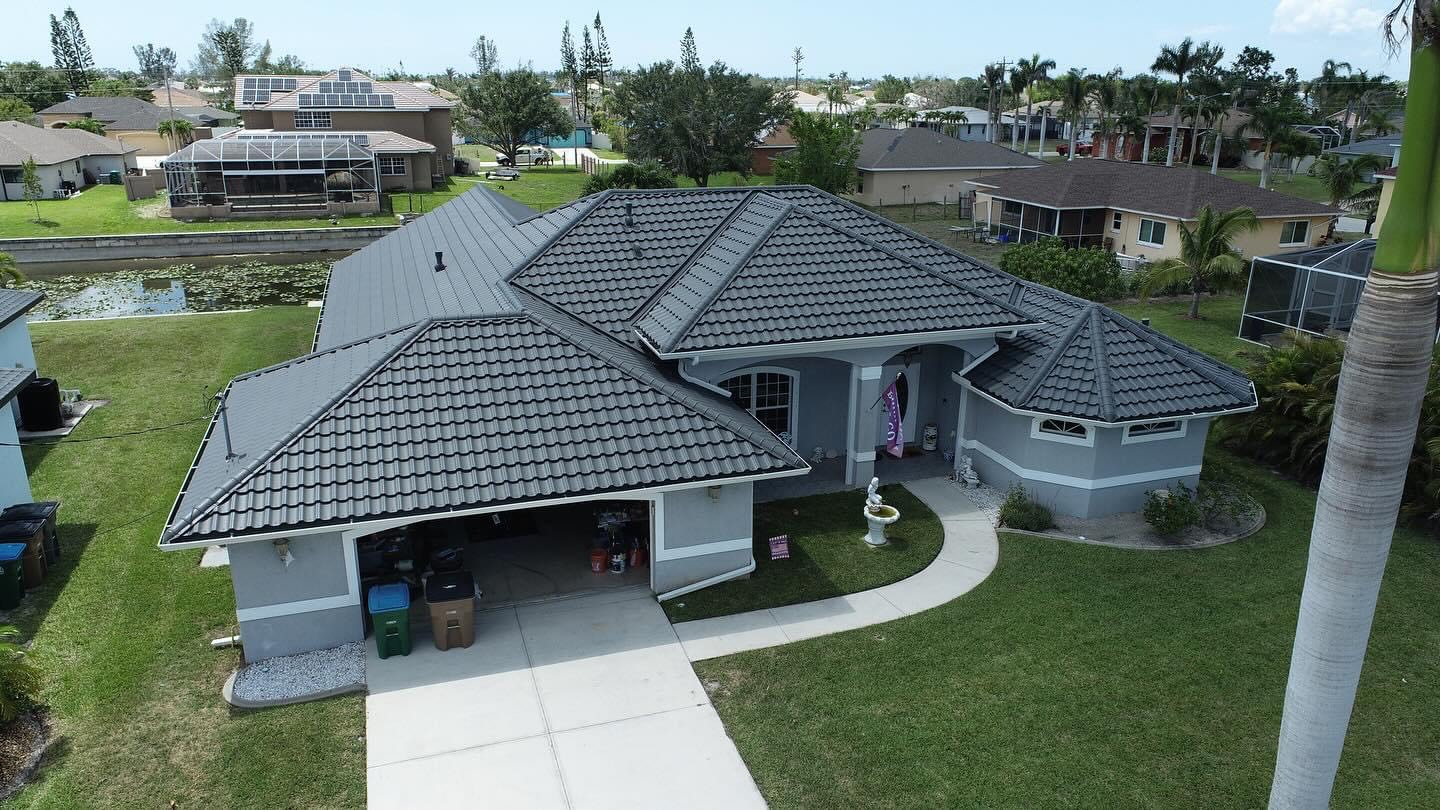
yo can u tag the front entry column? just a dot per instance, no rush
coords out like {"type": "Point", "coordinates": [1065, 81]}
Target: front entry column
{"type": "Point", "coordinates": [862, 430]}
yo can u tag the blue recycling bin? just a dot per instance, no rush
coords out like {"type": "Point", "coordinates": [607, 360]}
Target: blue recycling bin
{"type": "Point", "coordinates": [390, 612]}
{"type": "Point", "coordinates": [12, 575]}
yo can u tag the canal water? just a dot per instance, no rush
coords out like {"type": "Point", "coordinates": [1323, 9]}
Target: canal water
{"type": "Point", "coordinates": [108, 289]}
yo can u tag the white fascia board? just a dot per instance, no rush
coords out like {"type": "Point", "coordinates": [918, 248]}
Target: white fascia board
{"type": "Point", "coordinates": [969, 386]}
{"type": "Point", "coordinates": [874, 342]}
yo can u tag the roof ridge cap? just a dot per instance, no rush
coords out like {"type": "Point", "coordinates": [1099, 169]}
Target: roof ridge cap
{"type": "Point", "coordinates": [262, 458]}
{"type": "Point", "coordinates": [1100, 349]}
{"type": "Point", "coordinates": [1054, 357]}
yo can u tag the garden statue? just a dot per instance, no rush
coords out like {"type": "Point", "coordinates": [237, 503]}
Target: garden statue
{"type": "Point", "coordinates": [877, 514]}
{"type": "Point", "coordinates": [965, 473]}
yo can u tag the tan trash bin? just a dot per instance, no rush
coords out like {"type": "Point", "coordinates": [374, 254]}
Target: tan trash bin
{"type": "Point", "coordinates": [451, 597]}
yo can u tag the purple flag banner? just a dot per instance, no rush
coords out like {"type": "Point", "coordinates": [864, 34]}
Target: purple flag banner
{"type": "Point", "coordinates": [894, 422]}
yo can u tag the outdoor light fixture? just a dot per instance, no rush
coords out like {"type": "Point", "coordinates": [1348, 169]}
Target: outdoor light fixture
{"type": "Point", "coordinates": [714, 492]}
{"type": "Point", "coordinates": [282, 550]}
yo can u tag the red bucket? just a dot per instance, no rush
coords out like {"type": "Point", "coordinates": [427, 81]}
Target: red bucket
{"type": "Point", "coordinates": [597, 561]}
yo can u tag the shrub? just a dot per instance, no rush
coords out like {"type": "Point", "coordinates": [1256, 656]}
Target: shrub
{"type": "Point", "coordinates": [1091, 273]}
{"type": "Point", "coordinates": [19, 678]}
{"type": "Point", "coordinates": [1157, 155]}
{"type": "Point", "coordinates": [644, 174]}
{"type": "Point", "coordinates": [1170, 511]}
{"type": "Point", "coordinates": [1020, 511]}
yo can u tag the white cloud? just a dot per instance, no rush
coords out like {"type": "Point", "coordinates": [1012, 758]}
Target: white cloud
{"type": "Point", "coordinates": [1325, 17]}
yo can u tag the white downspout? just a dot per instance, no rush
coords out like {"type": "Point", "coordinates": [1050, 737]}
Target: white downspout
{"type": "Point", "coordinates": [705, 583]}
{"type": "Point", "coordinates": [684, 375]}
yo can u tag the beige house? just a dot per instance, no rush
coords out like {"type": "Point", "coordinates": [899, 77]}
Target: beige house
{"type": "Point", "coordinates": [1136, 209]}
{"type": "Point", "coordinates": [346, 101]}
{"type": "Point", "coordinates": [133, 122]}
{"type": "Point", "coordinates": [916, 164]}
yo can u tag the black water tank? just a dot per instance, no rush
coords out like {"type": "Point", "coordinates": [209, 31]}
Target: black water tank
{"type": "Point", "coordinates": [40, 405]}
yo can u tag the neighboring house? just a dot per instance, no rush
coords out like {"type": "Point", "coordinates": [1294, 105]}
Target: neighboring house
{"type": "Point", "coordinates": [135, 122]}
{"type": "Point", "coordinates": [1044, 115]}
{"type": "Point", "coordinates": [772, 144]}
{"type": "Point", "coordinates": [1347, 120]}
{"type": "Point", "coordinates": [65, 159]}
{"type": "Point", "coordinates": [1387, 148]}
{"type": "Point", "coordinates": [976, 126]}
{"type": "Point", "coordinates": [812, 103]}
{"type": "Point", "coordinates": [348, 101]}
{"type": "Point", "coordinates": [916, 164]}
{"type": "Point", "coordinates": [1315, 291]}
{"type": "Point", "coordinates": [177, 94]}
{"type": "Point", "coordinates": [675, 351]}
{"type": "Point", "coordinates": [1136, 209]}
{"type": "Point", "coordinates": [1235, 124]}
{"type": "Point", "coordinates": [17, 369]}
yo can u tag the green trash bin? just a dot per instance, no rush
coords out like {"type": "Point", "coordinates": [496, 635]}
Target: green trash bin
{"type": "Point", "coordinates": [114, 178]}
{"type": "Point", "coordinates": [12, 575]}
{"type": "Point", "coordinates": [390, 613]}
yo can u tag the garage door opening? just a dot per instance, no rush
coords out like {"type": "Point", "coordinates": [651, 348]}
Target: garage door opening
{"type": "Point", "coordinates": [520, 555]}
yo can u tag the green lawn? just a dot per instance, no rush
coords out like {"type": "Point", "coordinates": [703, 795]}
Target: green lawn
{"type": "Point", "coordinates": [935, 221]}
{"type": "Point", "coordinates": [1300, 185]}
{"type": "Point", "coordinates": [1085, 676]}
{"type": "Point", "coordinates": [475, 151]}
{"type": "Point", "coordinates": [607, 154]}
{"type": "Point", "coordinates": [122, 629]}
{"type": "Point", "coordinates": [827, 556]}
{"type": "Point", "coordinates": [104, 210]}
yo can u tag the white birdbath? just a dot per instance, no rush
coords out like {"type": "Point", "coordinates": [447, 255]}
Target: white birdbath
{"type": "Point", "coordinates": [879, 517]}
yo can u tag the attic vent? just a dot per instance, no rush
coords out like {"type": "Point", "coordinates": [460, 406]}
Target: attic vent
{"type": "Point", "coordinates": [439, 261]}
{"type": "Point", "coordinates": [629, 215]}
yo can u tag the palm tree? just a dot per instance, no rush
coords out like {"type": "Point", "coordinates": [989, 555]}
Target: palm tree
{"type": "Point", "coordinates": [89, 125]}
{"type": "Point", "coordinates": [1131, 127]}
{"type": "Point", "coordinates": [1208, 261]}
{"type": "Point", "coordinates": [1330, 86]}
{"type": "Point", "coordinates": [1378, 122]}
{"type": "Point", "coordinates": [19, 677]}
{"type": "Point", "coordinates": [863, 117]}
{"type": "Point", "coordinates": [177, 130]}
{"type": "Point", "coordinates": [1271, 123]}
{"type": "Point", "coordinates": [9, 271]}
{"type": "Point", "coordinates": [1075, 88]}
{"type": "Point", "coordinates": [1179, 61]}
{"type": "Point", "coordinates": [1034, 70]}
{"type": "Point", "coordinates": [993, 80]}
{"type": "Point", "coordinates": [1372, 437]}
{"type": "Point", "coordinates": [1107, 97]}
{"type": "Point", "coordinates": [1018, 82]}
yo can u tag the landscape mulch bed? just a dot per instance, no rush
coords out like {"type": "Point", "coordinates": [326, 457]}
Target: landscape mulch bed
{"type": "Point", "coordinates": [22, 744]}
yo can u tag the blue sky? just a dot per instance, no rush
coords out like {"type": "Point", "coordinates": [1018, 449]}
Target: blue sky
{"type": "Point", "coordinates": [906, 38]}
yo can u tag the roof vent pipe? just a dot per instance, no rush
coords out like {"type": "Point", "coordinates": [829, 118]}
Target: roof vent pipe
{"type": "Point", "coordinates": [439, 261]}
{"type": "Point", "coordinates": [629, 216]}
{"type": "Point", "coordinates": [1144, 321]}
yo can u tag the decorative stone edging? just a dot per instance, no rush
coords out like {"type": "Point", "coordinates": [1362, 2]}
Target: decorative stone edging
{"type": "Point", "coordinates": [1256, 526]}
{"type": "Point", "coordinates": [228, 691]}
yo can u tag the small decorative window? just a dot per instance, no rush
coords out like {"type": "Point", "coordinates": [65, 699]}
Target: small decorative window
{"type": "Point", "coordinates": [392, 164]}
{"type": "Point", "coordinates": [1152, 233]}
{"type": "Point", "coordinates": [1062, 430]}
{"type": "Point", "coordinates": [1116, 220]}
{"type": "Point", "coordinates": [1295, 233]}
{"type": "Point", "coordinates": [1150, 431]}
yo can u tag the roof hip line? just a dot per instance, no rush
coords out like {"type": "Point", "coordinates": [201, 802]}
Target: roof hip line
{"type": "Point", "coordinates": [1050, 362]}
{"type": "Point", "coordinates": [1099, 347]}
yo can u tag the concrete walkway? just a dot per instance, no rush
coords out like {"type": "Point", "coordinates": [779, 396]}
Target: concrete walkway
{"type": "Point", "coordinates": [575, 703]}
{"type": "Point", "coordinates": [967, 557]}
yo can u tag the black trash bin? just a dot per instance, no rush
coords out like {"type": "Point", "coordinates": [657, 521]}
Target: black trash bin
{"type": "Point", "coordinates": [40, 510]}
{"type": "Point", "coordinates": [40, 405]}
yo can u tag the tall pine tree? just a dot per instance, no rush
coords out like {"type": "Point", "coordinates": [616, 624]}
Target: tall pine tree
{"type": "Point", "coordinates": [71, 50]}
{"type": "Point", "coordinates": [570, 67]}
{"type": "Point", "coordinates": [603, 60]}
{"type": "Point", "coordinates": [587, 67]}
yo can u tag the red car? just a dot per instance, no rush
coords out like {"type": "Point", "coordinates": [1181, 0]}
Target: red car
{"type": "Point", "coordinates": [1081, 149]}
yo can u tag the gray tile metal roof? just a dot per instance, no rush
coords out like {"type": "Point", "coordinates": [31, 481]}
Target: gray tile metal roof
{"type": "Point", "coordinates": [776, 274]}
{"type": "Point", "coordinates": [12, 380]}
{"type": "Point", "coordinates": [14, 303]}
{"type": "Point", "coordinates": [924, 148]}
{"type": "Point", "coordinates": [458, 414]}
{"type": "Point", "coordinates": [1178, 192]}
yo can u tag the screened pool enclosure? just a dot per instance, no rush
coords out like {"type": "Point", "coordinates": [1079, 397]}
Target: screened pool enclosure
{"type": "Point", "coordinates": [302, 171]}
{"type": "Point", "coordinates": [1313, 291]}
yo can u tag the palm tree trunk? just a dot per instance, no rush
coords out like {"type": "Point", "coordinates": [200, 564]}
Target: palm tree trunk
{"type": "Point", "coordinates": [1195, 304]}
{"type": "Point", "coordinates": [1372, 435]}
{"type": "Point", "coordinates": [1265, 170]}
{"type": "Point", "coordinates": [1028, 112]}
{"type": "Point", "coordinates": [1174, 129]}
{"type": "Point", "coordinates": [1043, 118]}
{"type": "Point", "coordinates": [1219, 143]}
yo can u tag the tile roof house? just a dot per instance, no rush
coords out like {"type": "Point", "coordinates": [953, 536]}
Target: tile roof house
{"type": "Point", "coordinates": [65, 159]}
{"type": "Point", "coordinates": [135, 121]}
{"type": "Point", "coordinates": [1136, 209]}
{"type": "Point", "coordinates": [17, 370]}
{"type": "Point", "coordinates": [918, 164]}
{"type": "Point", "coordinates": [682, 351]}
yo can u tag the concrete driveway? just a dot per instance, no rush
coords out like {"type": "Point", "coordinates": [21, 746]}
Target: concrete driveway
{"type": "Point", "coordinates": [587, 702]}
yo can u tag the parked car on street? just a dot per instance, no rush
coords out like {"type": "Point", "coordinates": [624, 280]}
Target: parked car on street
{"type": "Point", "coordinates": [1081, 149]}
{"type": "Point", "coordinates": [527, 156]}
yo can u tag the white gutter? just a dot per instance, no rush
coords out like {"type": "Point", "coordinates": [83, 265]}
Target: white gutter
{"type": "Point", "coordinates": [705, 583]}
{"type": "Point", "coordinates": [871, 342]}
{"type": "Point", "coordinates": [967, 385]}
{"type": "Point", "coordinates": [684, 375]}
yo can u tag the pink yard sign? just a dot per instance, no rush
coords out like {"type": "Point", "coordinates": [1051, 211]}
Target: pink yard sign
{"type": "Point", "coordinates": [894, 425]}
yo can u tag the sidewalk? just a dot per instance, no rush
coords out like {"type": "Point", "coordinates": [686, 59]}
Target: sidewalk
{"type": "Point", "coordinates": [969, 554]}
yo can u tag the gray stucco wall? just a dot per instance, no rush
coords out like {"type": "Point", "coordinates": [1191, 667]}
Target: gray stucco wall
{"type": "Point", "coordinates": [301, 632]}
{"type": "Point", "coordinates": [694, 520]}
{"type": "Point", "coordinates": [318, 570]}
{"type": "Point", "coordinates": [822, 390]}
{"type": "Point", "coordinates": [1153, 463]}
{"type": "Point", "coordinates": [672, 574]}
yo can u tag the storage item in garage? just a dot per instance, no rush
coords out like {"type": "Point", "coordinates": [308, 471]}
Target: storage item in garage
{"type": "Point", "coordinates": [32, 534]}
{"type": "Point", "coordinates": [390, 611]}
{"type": "Point", "coordinates": [11, 575]}
{"type": "Point", "coordinates": [40, 510]}
{"type": "Point", "coordinates": [451, 597]}
{"type": "Point", "coordinates": [597, 560]}
{"type": "Point", "coordinates": [40, 405]}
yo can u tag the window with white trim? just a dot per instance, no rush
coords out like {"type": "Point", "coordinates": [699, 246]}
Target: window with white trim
{"type": "Point", "coordinates": [392, 164]}
{"type": "Point", "coordinates": [1296, 232]}
{"type": "Point", "coordinates": [312, 119]}
{"type": "Point", "coordinates": [768, 396]}
{"type": "Point", "coordinates": [1061, 427]}
{"type": "Point", "coordinates": [1153, 428]}
{"type": "Point", "coordinates": [1064, 431]}
{"type": "Point", "coordinates": [1117, 220]}
{"type": "Point", "coordinates": [1152, 233]}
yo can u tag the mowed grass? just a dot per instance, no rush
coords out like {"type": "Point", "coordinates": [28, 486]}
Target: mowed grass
{"type": "Point", "coordinates": [102, 210]}
{"type": "Point", "coordinates": [1080, 676]}
{"type": "Point", "coordinates": [121, 629]}
{"type": "Point", "coordinates": [827, 555]}
{"type": "Point", "coordinates": [1297, 185]}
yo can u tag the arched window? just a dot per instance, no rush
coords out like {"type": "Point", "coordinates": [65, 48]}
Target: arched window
{"type": "Point", "coordinates": [768, 394]}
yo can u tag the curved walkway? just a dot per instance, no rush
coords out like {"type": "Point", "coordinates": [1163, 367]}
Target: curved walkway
{"type": "Point", "coordinates": [966, 558]}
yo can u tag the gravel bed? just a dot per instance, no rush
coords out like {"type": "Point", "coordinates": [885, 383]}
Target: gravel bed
{"type": "Point", "coordinates": [294, 677]}
{"type": "Point", "coordinates": [987, 498]}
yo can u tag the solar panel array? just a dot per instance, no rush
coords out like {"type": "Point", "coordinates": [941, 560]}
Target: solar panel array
{"type": "Point", "coordinates": [257, 89]}
{"type": "Point", "coordinates": [347, 100]}
{"type": "Point", "coordinates": [347, 87]}
{"type": "Point", "coordinates": [343, 74]}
